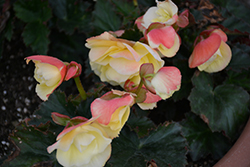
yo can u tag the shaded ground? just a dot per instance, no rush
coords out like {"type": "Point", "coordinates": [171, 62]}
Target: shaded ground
{"type": "Point", "coordinates": [18, 99]}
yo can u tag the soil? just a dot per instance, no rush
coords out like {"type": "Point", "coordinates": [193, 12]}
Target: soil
{"type": "Point", "coordinates": [17, 91]}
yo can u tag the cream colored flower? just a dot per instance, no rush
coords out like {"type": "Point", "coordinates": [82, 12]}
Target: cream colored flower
{"type": "Point", "coordinates": [165, 12]}
{"type": "Point", "coordinates": [117, 60]}
{"type": "Point", "coordinates": [211, 54]}
{"type": "Point", "coordinates": [49, 73]}
{"type": "Point", "coordinates": [83, 145]}
{"type": "Point", "coordinates": [113, 117]}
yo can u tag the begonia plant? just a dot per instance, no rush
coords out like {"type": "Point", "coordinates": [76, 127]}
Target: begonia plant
{"type": "Point", "coordinates": [156, 83]}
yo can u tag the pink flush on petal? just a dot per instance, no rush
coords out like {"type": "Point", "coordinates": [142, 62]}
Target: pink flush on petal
{"type": "Point", "coordinates": [47, 59]}
{"type": "Point", "coordinates": [164, 36]}
{"type": "Point", "coordinates": [204, 50]}
{"type": "Point", "coordinates": [105, 106]}
{"type": "Point", "coordinates": [73, 70]}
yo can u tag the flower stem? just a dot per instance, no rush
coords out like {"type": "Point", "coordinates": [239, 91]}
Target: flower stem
{"type": "Point", "coordinates": [80, 88]}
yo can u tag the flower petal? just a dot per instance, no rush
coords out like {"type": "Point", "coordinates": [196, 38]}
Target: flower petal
{"type": "Point", "coordinates": [172, 51]}
{"type": "Point", "coordinates": [104, 113]}
{"type": "Point", "coordinates": [220, 62]}
{"type": "Point", "coordinates": [204, 50]}
{"type": "Point", "coordinates": [166, 81]}
{"type": "Point", "coordinates": [164, 36]}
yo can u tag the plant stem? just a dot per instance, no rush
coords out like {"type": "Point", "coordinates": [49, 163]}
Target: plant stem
{"type": "Point", "coordinates": [80, 88]}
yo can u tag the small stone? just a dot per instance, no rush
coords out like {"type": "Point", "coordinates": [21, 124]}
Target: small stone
{"type": "Point", "coordinates": [3, 108]}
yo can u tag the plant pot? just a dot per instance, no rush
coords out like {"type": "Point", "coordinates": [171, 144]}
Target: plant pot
{"type": "Point", "coordinates": [239, 154]}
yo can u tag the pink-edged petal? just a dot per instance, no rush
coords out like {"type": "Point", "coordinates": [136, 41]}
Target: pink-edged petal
{"type": "Point", "coordinates": [221, 33]}
{"type": "Point", "coordinates": [69, 129]}
{"type": "Point", "coordinates": [152, 98]}
{"type": "Point", "coordinates": [73, 70]}
{"type": "Point", "coordinates": [54, 62]}
{"type": "Point", "coordinates": [117, 33]}
{"type": "Point", "coordinates": [138, 22]}
{"type": "Point", "coordinates": [103, 108]}
{"type": "Point", "coordinates": [51, 148]}
{"type": "Point", "coordinates": [221, 61]}
{"type": "Point", "coordinates": [182, 20]}
{"type": "Point", "coordinates": [204, 50]}
{"type": "Point", "coordinates": [60, 119]}
{"type": "Point", "coordinates": [47, 59]}
{"type": "Point", "coordinates": [166, 81]}
{"type": "Point", "coordinates": [146, 68]}
{"type": "Point", "coordinates": [172, 51]}
{"type": "Point", "coordinates": [164, 36]}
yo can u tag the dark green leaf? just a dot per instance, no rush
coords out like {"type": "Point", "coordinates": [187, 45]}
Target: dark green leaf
{"type": "Point", "coordinates": [31, 143]}
{"type": "Point", "coordinates": [140, 124]}
{"type": "Point", "coordinates": [8, 30]}
{"type": "Point", "coordinates": [239, 78]}
{"type": "Point", "coordinates": [198, 16]}
{"type": "Point", "coordinates": [223, 108]}
{"type": "Point", "coordinates": [59, 8]}
{"type": "Point", "coordinates": [72, 15]}
{"type": "Point", "coordinates": [68, 47]}
{"type": "Point", "coordinates": [32, 10]}
{"type": "Point", "coordinates": [105, 19]}
{"type": "Point", "coordinates": [165, 146]}
{"type": "Point", "coordinates": [202, 141]}
{"type": "Point", "coordinates": [35, 35]}
{"type": "Point", "coordinates": [240, 57]}
{"type": "Point", "coordinates": [128, 10]}
{"type": "Point", "coordinates": [56, 103]}
{"type": "Point", "coordinates": [236, 14]}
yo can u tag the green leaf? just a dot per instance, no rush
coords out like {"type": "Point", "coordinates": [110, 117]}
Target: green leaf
{"type": "Point", "coordinates": [71, 15]}
{"type": "Point", "coordinates": [236, 14]}
{"type": "Point", "coordinates": [35, 35]}
{"type": "Point", "coordinates": [56, 103]}
{"type": "Point", "coordinates": [31, 143]}
{"type": "Point", "coordinates": [165, 146]}
{"type": "Point", "coordinates": [240, 57]}
{"type": "Point", "coordinates": [32, 10]}
{"type": "Point", "coordinates": [8, 30]}
{"type": "Point", "coordinates": [202, 141]}
{"type": "Point", "coordinates": [140, 124]}
{"type": "Point", "coordinates": [68, 47]}
{"type": "Point", "coordinates": [223, 108]}
{"type": "Point", "coordinates": [105, 19]}
{"type": "Point", "coordinates": [128, 10]}
{"type": "Point", "coordinates": [239, 78]}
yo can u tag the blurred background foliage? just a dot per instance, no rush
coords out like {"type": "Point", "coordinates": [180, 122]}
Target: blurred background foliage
{"type": "Point", "coordinates": [203, 119]}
